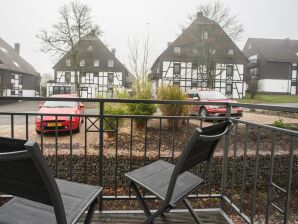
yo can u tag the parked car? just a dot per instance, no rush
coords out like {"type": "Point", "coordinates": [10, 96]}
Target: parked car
{"type": "Point", "coordinates": [211, 110]}
{"type": "Point", "coordinates": [63, 123]}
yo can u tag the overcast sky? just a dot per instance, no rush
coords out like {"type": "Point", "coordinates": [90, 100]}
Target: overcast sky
{"type": "Point", "coordinates": [21, 20]}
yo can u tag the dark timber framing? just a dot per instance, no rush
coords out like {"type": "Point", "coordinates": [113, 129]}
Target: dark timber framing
{"type": "Point", "coordinates": [97, 64]}
{"type": "Point", "coordinates": [204, 48]}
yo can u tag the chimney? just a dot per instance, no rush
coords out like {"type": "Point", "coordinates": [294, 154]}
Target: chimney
{"type": "Point", "coordinates": [199, 14]}
{"type": "Point", "coordinates": [113, 51]}
{"type": "Point", "coordinates": [17, 47]}
{"type": "Point", "coordinates": [169, 43]}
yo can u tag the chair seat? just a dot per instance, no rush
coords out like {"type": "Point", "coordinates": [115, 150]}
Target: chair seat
{"type": "Point", "coordinates": [76, 199]}
{"type": "Point", "coordinates": [156, 176]}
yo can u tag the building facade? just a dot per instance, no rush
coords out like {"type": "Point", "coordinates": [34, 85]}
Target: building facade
{"type": "Point", "coordinates": [99, 72]}
{"type": "Point", "coordinates": [272, 65]}
{"type": "Point", "coordinates": [203, 56]}
{"type": "Point", "coordinates": [17, 76]}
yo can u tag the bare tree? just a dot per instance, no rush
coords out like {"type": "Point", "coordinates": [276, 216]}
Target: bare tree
{"type": "Point", "coordinates": [220, 13]}
{"type": "Point", "coordinates": [75, 21]}
{"type": "Point", "coordinates": [140, 56]}
{"type": "Point", "coordinates": [208, 38]}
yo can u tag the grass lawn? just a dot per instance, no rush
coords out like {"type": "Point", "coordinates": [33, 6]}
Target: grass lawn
{"type": "Point", "coordinates": [261, 98]}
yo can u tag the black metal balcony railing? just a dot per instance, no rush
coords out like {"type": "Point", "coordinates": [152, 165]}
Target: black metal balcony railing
{"type": "Point", "coordinates": [253, 176]}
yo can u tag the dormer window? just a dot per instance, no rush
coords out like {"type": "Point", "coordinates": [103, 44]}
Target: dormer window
{"type": "Point", "coordinates": [204, 35]}
{"type": "Point", "coordinates": [68, 62]}
{"type": "Point", "coordinates": [110, 63]}
{"type": "Point", "coordinates": [89, 48]}
{"type": "Point", "coordinates": [177, 50]}
{"type": "Point", "coordinates": [3, 50]}
{"type": "Point", "coordinates": [230, 53]}
{"type": "Point", "coordinates": [96, 63]}
{"type": "Point", "coordinates": [16, 64]}
{"type": "Point", "coordinates": [82, 63]}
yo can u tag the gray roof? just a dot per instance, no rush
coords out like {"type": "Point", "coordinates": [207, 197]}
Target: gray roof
{"type": "Point", "coordinates": [276, 49]}
{"type": "Point", "coordinates": [99, 51]}
{"type": "Point", "coordinates": [188, 40]}
{"type": "Point", "coordinates": [10, 60]}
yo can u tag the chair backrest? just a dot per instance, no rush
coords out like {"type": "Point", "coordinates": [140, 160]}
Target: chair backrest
{"type": "Point", "coordinates": [24, 173]}
{"type": "Point", "coordinates": [199, 148]}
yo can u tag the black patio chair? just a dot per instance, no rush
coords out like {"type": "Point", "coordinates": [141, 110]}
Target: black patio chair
{"type": "Point", "coordinates": [173, 183]}
{"type": "Point", "coordinates": [38, 197]}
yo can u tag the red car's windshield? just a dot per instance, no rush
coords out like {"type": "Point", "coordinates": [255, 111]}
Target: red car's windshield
{"type": "Point", "coordinates": [50, 104]}
{"type": "Point", "coordinates": [212, 95]}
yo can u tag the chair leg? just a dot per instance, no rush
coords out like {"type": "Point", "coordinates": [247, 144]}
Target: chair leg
{"type": "Point", "coordinates": [90, 212]}
{"type": "Point", "coordinates": [140, 199]}
{"type": "Point", "coordinates": [192, 212]}
{"type": "Point", "coordinates": [151, 218]}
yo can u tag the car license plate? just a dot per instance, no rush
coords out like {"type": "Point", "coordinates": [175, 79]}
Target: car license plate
{"type": "Point", "coordinates": [53, 124]}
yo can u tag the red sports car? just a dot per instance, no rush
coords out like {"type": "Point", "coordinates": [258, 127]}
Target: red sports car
{"type": "Point", "coordinates": [212, 110]}
{"type": "Point", "coordinates": [63, 123]}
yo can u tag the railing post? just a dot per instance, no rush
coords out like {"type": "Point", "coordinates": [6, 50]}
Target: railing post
{"type": "Point", "coordinates": [225, 161]}
{"type": "Point", "coordinates": [101, 159]}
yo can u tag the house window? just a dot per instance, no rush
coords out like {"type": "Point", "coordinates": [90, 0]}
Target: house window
{"type": "Point", "coordinates": [177, 50]}
{"type": "Point", "coordinates": [89, 78]}
{"type": "Point", "coordinates": [96, 63]}
{"type": "Point", "coordinates": [20, 80]}
{"type": "Point", "coordinates": [82, 63]}
{"type": "Point", "coordinates": [67, 77]}
{"type": "Point", "coordinates": [195, 52]}
{"type": "Point", "coordinates": [204, 35]}
{"type": "Point", "coordinates": [194, 65]}
{"type": "Point", "coordinates": [194, 84]}
{"type": "Point", "coordinates": [230, 53]}
{"type": "Point", "coordinates": [89, 48]}
{"type": "Point", "coordinates": [229, 88]}
{"type": "Point", "coordinates": [110, 78]}
{"type": "Point", "coordinates": [229, 70]}
{"type": "Point", "coordinates": [110, 63]}
{"type": "Point", "coordinates": [67, 62]}
{"type": "Point", "coordinates": [177, 68]}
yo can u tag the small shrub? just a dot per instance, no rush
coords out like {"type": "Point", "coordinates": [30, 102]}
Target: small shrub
{"type": "Point", "coordinates": [173, 93]}
{"type": "Point", "coordinates": [280, 124]}
{"type": "Point", "coordinates": [111, 124]}
{"type": "Point", "coordinates": [143, 92]}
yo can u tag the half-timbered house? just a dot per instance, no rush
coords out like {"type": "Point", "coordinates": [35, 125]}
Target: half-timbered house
{"type": "Point", "coordinates": [203, 56]}
{"type": "Point", "coordinates": [98, 70]}
{"type": "Point", "coordinates": [17, 76]}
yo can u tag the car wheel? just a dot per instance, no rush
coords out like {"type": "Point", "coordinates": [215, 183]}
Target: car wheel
{"type": "Point", "coordinates": [203, 112]}
{"type": "Point", "coordinates": [78, 129]}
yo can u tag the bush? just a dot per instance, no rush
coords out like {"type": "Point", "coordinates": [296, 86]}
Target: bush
{"type": "Point", "coordinates": [280, 124]}
{"type": "Point", "coordinates": [143, 92]}
{"type": "Point", "coordinates": [111, 124]}
{"type": "Point", "coordinates": [173, 93]}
